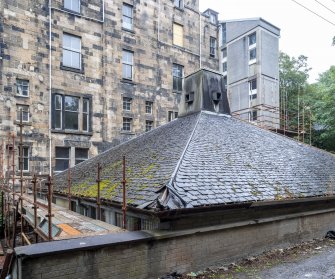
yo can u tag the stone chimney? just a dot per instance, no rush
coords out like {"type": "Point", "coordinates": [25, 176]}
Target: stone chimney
{"type": "Point", "coordinates": [204, 90]}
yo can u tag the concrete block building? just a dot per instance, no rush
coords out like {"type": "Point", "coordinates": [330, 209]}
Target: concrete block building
{"type": "Point", "coordinates": [249, 61]}
{"type": "Point", "coordinates": [89, 75]}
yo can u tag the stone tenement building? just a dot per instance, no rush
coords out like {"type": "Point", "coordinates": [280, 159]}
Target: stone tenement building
{"type": "Point", "coordinates": [88, 75]}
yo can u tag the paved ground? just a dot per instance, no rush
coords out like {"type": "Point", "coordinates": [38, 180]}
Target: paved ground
{"type": "Point", "coordinates": [321, 265]}
{"type": "Point", "coordinates": [315, 259]}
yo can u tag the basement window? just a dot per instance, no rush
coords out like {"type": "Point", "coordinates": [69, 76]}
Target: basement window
{"type": "Point", "coordinates": [72, 5]}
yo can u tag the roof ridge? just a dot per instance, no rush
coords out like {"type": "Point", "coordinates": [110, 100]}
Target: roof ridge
{"type": "Point", "coordinates": [174, 174]}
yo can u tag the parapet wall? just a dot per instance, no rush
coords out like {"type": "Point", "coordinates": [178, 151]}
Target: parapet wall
{"type": "Point", "coordinates": [152, 254]}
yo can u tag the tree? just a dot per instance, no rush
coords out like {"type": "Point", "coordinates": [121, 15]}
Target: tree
{"type": "Point", "coordinates": [293, 74]}
{"type": "Point", "coordinates": [323, 101]}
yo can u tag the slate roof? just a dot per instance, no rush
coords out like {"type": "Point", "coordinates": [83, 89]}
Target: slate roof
{"type": "Point", "coordinates": [207, 159]}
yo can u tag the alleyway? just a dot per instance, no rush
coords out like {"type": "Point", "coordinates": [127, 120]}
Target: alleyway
{"type": "Point", "coordinates": [309, 260]}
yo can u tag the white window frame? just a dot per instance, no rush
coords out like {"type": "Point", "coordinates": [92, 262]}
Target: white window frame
{"type": "Point", "coordinates": [72, 50]}
{"type": "Point", "coordinates": [179, 4]}
{"type": "Point", "coordinates": [212, 48]}
{"type": "Point", "coordinates": [148, 107]}
{"type": "Point", "coordinates": [149, 124]}
{"type": "Point", "coordinates": [24, 157]}
{"type": "Point", "coordinates": [126, 63]}
{"type": "Point", "coordinates": [18, 113]}
{"type": "Point", "coordinates": [70, 5]}
{"type": "Point", "coordinates": [252, 47]}
{"type": "Point", "coordinates": [252, 91]}
{"type": "Point", "coordinates": [85, 114]}
{"type": "Point", "coordinates": [126, 103]}
{"type": "Point", "coordinates": [126, 25]}
{"type": "Point", "coordinates": [224, 61]}
{"type": "Point", "coordinates": [127, 121]}
{"type": "Point", "coordinates": [20, 84]}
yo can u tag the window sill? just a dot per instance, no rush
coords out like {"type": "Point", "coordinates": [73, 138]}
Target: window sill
{"type": "Point", "coordinates": [127, 133]}
{"type": "Point", "coordinates": [179, 8]}
{"type": "Point", "coordinates": [24, 123]}
{"type": "Point", "coordinates": [129, 81]}
{"type": "Point", "coordinates": [71, 11]}
{"type": "Point", "coordinates": [75, 70]}
{"type": "Point", "coordinates": [179, 47]}
{"type": "Point", "coordinates": [22, 96]}
{"type": "Point", "coordinates": [71, 132]}
{"type": "Point", "coordinates": [177, 92]}
{"type": "Point", "coordinates": [128, 30]}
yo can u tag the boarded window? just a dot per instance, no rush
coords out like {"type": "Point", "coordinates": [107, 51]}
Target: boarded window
{"type": "Point", "coordinates": [178, 35]}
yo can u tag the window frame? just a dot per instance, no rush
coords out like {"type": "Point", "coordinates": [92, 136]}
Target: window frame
{"type": "Point", "coordinates": [172, 115]}
{"type": "Point", "coordinates": [127, 64]}
{"type": "Point", "coordinates": [180, 4]}
{"type": "Point", "coordinates": [25, 157]}
{"type": "Point", "coordinates": [149, 107]}
{"type": "Point", "coordinates": [126, 103]}
{"type": "Point", "coordinates": [252, 90]}
{"type": "Point", "coordinates": [72, 51]}
{"type": "Point", "coordinates": [177, 79]}
{"type": "Point", "coordinates": [124, 16]}
{"type": "Point", "coordinates": [127, 121]}
{"type": "Point", "coordinates": [62, 158]}
{"type": "Point", "coordinates": [81, 113]}
{"type": "Point", "coordinates": [17, 83]}
{"type": "Point", "coordinates": [71, 9]}
{"type": "Point", "coordinates": [18, 115]}
{"type": "Point", "coordinates": [212, 46]}
{"type": "Point", "coordinates": [81, 159]}
{"type": "Point", "coordinates": [252, 44]}
{"type": "Point", "coordinates": [149, 124]}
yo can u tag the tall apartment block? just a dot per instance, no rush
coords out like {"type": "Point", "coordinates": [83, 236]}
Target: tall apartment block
{"type": "Point", "coordinates": [86, 75]}
{"type": "Point", "coordinates": [249, 61]}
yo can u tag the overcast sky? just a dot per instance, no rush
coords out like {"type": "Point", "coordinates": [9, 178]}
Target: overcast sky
{"type": "Point", "coordinates": [301, 31]}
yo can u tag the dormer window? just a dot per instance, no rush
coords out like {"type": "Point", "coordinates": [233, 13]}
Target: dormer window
{"type": "Point", "coordinates": [213, 18]}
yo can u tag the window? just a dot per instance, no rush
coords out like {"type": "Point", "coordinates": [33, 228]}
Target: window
{"type": "Point", "coordinates": [252, 48]}
{"type": "Point", "coordinates": [212, 18]}
{"type": "Point", "coordinates": [25, 158]}
{"type": "Point", "coordinates": [62, 158]}
{"type": "Point", "coordinates": [172, 115]}
{"type": "Point", "coordinates": [25, 113]}
{"type": "Point", "coordinates": [178, 35]}
{"type": "Point", "coordinates": [127, 104]}
{"type": "Point", "coordinates": [86, 114]}
{"type": "Point", "coordinates": [127, 64]}
{"type": "Point", "coordinates": [22, 87]}
{"type": "Point", "coordinates": [71, 51]}
{"type": "Point", "coordinates": [253, 89]}
{"type": "Point", "coordinates": [148, 125]}
{"type": "Point", "coordinates": [178, 3]}
{"type": "Point", "coordinates": [177, 73]}
{"type": "Point", "coordinates": [126, 124]}
{"type": "Point", "coordinates": [148, 107]}
{"type": "Point", "coordinates": [81, 155]}
{"type": "Point", "coordinates": [224, 61]}
{"type": "Point", "coordinates": [212, 46]}
{"type": "Point", "coordinates": [127, 16]}
{"type": "Point", "coordinates": [72, 113]}
{"type": "Point", "coordinates": [253, 115]}
{"type": "Point", "coordinates": [73, 5]}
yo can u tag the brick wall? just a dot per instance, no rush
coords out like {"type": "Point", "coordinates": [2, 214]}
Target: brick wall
{"type": "Point", "coordinates": [151, 254]}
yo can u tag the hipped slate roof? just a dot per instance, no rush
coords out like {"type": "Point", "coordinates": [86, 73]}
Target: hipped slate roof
{"type": "Point", "coordinates": [206, 159]}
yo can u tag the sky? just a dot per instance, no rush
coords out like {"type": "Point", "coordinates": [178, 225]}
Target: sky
{"type": "Point", "coordinates": [302, 32]}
